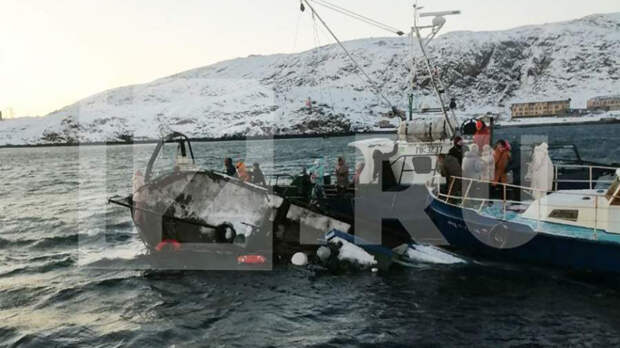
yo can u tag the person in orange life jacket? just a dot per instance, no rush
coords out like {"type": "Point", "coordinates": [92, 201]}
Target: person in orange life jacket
{"type": "Point", "coordinates": [502, 158]}
{"type": "Point", "coordinates": [242, 172]}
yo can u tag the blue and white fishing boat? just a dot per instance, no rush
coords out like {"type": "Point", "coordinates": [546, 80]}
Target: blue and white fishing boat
{"type": "Point", "coordinates": [576, 229]}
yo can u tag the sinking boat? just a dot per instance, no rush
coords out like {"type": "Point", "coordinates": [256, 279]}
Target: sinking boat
{"type": "Point", "coordinates": [205, 219]}
{"type": "Point", "coordinates": [576, 229]}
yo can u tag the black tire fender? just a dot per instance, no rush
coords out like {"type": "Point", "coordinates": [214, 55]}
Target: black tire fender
{"type": "Point", "coordinates": [225, 233]}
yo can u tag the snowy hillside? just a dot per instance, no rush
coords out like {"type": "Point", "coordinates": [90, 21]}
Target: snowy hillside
{"type": "Point", "coordinates": [264, 95]}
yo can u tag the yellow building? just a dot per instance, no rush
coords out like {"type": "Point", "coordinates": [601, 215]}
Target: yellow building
{"type": "Point", "coordinates": [611, 102]}
{"type": "Point", "coordinates": [540, 109]}
{"type": "Point", "coordinates": [384, 124]}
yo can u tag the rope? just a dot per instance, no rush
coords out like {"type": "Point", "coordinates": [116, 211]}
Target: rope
{"type": "Point", "coordinates": [359, 17]}
{"type": "Point", "coordinates": [317, 37]}
{"type": "Point", "coordinates": [296, 32]}
{"type": "Point", "coordinates": [358, 66]}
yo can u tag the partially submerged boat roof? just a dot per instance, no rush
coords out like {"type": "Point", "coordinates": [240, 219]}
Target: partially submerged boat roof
{"type": "Point", "coordinates": [373, 142]}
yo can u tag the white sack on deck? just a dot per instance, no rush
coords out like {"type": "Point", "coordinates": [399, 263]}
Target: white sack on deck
{"type": "Point", "coordinates": [472, 163]}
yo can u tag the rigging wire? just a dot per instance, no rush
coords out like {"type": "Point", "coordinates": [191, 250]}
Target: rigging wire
{"type": "Point", "coordinates": [297, 31]}
{"type": "Point", "coordinates": [359, 17]}
{"type": "Point", "coordinates": [317, 44]}
{"type": "Point", "coordinates": [329, 90]}
{"type": "Point", "coordinates": [358, 66]}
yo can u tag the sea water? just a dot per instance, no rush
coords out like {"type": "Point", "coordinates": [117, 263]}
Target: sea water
{"type": "Point", "coordinates": [71, 270]}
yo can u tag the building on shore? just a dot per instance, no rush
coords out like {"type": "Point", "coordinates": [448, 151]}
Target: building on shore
{"type": "Point", "coordinates": [384, 124]}
{"type": "Point", "coordinates": [610, 102]}
{"type": "Point", "coordinates": [541, 108]}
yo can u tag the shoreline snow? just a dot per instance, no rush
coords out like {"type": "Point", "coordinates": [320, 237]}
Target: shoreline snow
{"type": "Point", "coordinates": [267, 95]}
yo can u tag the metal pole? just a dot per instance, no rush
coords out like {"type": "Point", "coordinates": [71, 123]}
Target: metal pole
{"type": "Point", "coordinates": [595, 217]}
{"type": "Point", "coordinates": [504, 186]}
{"type": "Point", "coordinates": [430, 72]}
{"type": "Point", "coordinates": [410, 106]}
{"type": "Point", "coordinates": [467, 192]}
{"type": "Point", "coordinates": [538, 221]}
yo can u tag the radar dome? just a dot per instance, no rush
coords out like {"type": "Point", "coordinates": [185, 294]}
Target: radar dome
{"type": "Point", "coordinates": [439, 21]}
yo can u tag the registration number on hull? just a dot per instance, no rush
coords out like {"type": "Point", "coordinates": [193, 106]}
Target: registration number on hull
{"type": "Point", "coordinates": [430, 149]}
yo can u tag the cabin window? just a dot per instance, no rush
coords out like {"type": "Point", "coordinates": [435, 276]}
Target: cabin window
{"type": "Point", "coordinates": [565, 214]}
{"type": "Point", "coordinates": [563, 154]}
{"type": "Point", "coordinates": [422, 165]}
{"type": "Point", "coordinates": [165, 161]}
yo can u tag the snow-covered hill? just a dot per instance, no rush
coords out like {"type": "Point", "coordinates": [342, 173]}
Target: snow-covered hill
{"type": "Point", "coordinates": [264, 95]}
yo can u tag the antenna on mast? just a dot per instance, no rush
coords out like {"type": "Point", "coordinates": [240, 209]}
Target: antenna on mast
{"type": "Point", "coordinates": [437, 23]}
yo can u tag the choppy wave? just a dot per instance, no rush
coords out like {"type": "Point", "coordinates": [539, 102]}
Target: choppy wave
{"type": "Point", "coordinates": [37, 267]}
{"type": "Point", "coordinates": [69, 277]}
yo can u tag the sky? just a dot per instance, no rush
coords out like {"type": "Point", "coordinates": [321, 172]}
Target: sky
{"type": "Point", "coordinates": [55, 52]}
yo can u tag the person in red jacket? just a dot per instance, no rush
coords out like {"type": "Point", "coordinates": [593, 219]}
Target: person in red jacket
{"type": "Point", "coordinates": [483, 134]}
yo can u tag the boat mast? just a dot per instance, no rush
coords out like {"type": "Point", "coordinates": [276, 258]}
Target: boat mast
{"type": "Point", "coordinates": [372, 83]}
{"type": "Point", "coordinates": [412, 75]}
{"type": "Point", "coordinates": [437, 24]}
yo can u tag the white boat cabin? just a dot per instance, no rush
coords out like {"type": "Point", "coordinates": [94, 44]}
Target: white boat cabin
{"type": "Point", "coordinates": [417, 146]}
{"type": "Point", "coordinates": [596, 208]}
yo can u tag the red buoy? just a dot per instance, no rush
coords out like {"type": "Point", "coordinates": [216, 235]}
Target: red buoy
{"type": "Point", "coordinates": [251, 259]}
{"type": "Point", "coordinates": [175, 244]}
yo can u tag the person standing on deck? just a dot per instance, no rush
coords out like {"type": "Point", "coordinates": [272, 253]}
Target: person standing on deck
{"type": "Point", "coordinates": [317, 176]}
{"type": "Point", "coordinates": [242, 172]}
{"type": "Point", "coordinates": [450, 168]}
{"type": "Point", "coordinates": [457, 150]}
{"type": "Point", "coordinates": [472, 163]}
{"type": "Point", "coordinates": [382, 171]}
{"type": "Point", "coordinates": [229, 167]}
{"type": "Point", "coordinates": [541, 171]}
{"type": "Point", "coordinates": [483, 134]}
{"type": "Point", "coordinates": [342, 175]}
{"type": "Point", "coordinates": [317, 172]}
{"type": "Point", "coordinates": [502, 157]}
{"type": "Point", "coordinates": [487, 175]}
{"type": "Point", "coordinates": [258, 177]}
{"type": "Point", "coordinates": [358, 172]}
{"type": "Point", "coordinates": [488, 164]}
{"type": "Point", "coordinates": [452, 103]}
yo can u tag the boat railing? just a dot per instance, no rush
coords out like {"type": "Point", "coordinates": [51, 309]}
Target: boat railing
{"type": "Point", "coordinates": [461, 199]}
{"type": "Point", "coordinates": [591, 181]}
{"type": "Point", "coordinates": [452, 196]}
{"type": "Point", "coordinates": [405, 168]}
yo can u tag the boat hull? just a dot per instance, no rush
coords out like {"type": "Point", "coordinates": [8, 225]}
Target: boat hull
{"type": "Point", "coordinates": [400, 213]}
{"type": "Point", "coordinates": [477, 235]}
{"type": "Point", "coordinates": [216, 219]}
